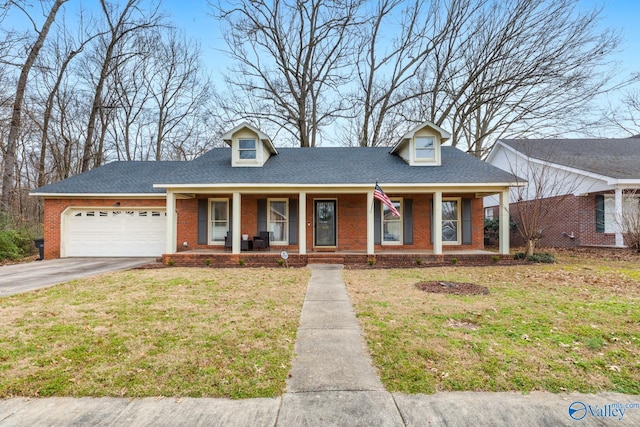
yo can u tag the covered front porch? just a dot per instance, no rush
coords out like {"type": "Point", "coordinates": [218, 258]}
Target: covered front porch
{"type": "Point", "coordinates": [330, 224]}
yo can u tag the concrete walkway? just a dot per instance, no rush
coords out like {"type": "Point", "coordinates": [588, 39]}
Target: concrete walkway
{"type": "Point", "coordinates": [332, 383]}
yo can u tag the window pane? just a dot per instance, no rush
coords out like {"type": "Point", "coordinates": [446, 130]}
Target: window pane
{"type": "Point", "coordinates": [247, 154]}
{"type": "Point", "coordinates": [391, 231]}
{"type": "Point", "coordinates": [278, 211]}
{"type": "Point", "coordinates": [449, 231]}
{"type": "Point", "coordinates": [424, 142]}
{"type": "Point", "coordinates": [219, 211]}
{"type": "Point", "coordinates": [279, 231]}
{"type": "Point", "coordinates": [247, 144]}
{"type": "Point", "coordinates": [219, 220]}
{"type": "Point", "coordinates": [425, 147]}
{"type": "Point", "coordinates": [219, 231]}
{"type": "Point", "coordinates": [450, 210]}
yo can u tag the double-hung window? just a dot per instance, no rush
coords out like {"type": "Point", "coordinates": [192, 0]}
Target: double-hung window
{"type": "Point", "coordinates": [247, 149]}
{"type": "Point", "coordinates": [425, 148]}
{"type": "Point", "coordinates": [219, 215]}
{"type": "Point", "coordinates": [278, 221]}
{"type": "Point", "coordinates": [391, 224]}
{"type": "Point", "coordinates": [451, 221]}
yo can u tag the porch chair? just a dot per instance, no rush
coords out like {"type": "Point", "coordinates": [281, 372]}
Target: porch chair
{"type": "Point", "coordinates": [261, 241]}
{"type": "Point", "coordinates": [228, 241]}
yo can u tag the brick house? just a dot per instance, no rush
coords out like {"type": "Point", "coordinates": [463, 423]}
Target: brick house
{"type": "Point", "coordinates": [594, 186]}
{"type": "Point", "coordinates": [308, 200]}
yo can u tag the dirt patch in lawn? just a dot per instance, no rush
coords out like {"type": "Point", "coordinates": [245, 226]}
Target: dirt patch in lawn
{"type": "Point", "coordinates": [442, 287]}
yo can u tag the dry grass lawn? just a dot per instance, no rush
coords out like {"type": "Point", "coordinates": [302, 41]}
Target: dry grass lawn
{"type": "Point", "coordinates": [570, 326]}
{"type": "Point", "coordinates": [168, 332]}
{"type": "Point", "coordinates": [195, 332]}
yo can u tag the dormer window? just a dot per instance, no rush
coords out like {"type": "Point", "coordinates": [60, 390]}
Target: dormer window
{"type": "Point", "coordinates": [247, 149]}
{"type": "Point", "coordinates": [421, 145]}
{"type": "Point", "coordinates": [425, 148]}
{"type": "Point", "coordinates": [249, 146]}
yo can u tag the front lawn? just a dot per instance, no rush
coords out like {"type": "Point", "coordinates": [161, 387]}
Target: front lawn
{"type": "Point", "coordinates": [564, 327]}
{"type": "Point", "coordinates": [168, 332]}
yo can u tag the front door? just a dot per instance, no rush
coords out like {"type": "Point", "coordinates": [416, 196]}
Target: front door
{"type": "Point", "coordinates": [325, 223]}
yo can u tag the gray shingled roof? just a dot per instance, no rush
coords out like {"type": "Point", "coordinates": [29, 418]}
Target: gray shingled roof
{"type": "Point", "coordinates": [326, 165]}
{"type": "Point", "coordinates": [117, 177]}
{"type": "Point", "coordinates": [615, 158]}
{"type": "Point", "coordinates": [338, 165]}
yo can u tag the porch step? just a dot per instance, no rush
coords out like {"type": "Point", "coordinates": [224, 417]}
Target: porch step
{"type": "Point", "coordinates": [325, 260]}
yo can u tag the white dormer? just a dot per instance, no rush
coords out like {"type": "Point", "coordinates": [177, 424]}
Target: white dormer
{"type": "Point", "coordinates": [421, 145]}
{"type": "Point", "coordinates": [249, 146]}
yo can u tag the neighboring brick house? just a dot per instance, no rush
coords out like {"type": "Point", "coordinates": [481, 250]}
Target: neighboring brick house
{"type": "Point", "coordinates": [310, 200]}
{"type": "Point", "coordinates": [594, 186]}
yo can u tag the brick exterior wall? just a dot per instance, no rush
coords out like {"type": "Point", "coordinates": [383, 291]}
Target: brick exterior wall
{"type": "Point", "coordinates": [569, 216]}
{"type": "Point", "coordinates": [53, 209]}
{"type": "Point", "coordinates": [351, 222]}
{"type": "Point", "coordinates": [351, 225]}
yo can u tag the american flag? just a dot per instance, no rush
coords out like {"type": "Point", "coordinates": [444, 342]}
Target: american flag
{"type": "Point", "coordinates": [379, 194]}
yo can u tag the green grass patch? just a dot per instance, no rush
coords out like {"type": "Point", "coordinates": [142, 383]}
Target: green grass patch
{"type": "Point", "coordinates": [169, 332]}
{"type": "Point", "coordinates": [572, 326]}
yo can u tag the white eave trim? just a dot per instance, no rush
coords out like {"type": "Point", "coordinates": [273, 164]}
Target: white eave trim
{"type": "Point", "coordinates": [340, 188]}
{"type": "Point", "coordinates": [100, 195]}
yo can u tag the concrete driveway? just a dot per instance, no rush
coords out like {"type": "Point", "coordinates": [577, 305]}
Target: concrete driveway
{"type": "Point", "coordinates": [18, 278]}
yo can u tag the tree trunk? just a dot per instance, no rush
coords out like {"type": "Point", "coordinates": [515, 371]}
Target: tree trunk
{"type": "Point", "coordinates": [10, 159]}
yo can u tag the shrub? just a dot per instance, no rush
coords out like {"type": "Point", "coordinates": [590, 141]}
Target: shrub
{"type": "Point", "coordinates": [208, 262]}
{"type": "Point", "coordinates": [170, 263]}
{"type": "Point", "coordinates": [454, 261]}
{"type": "Point", "coordinates": [546, 258]}
{"type": "Point", "coordinates": [241, 262]}
{"type": "Point", "coordinates": [495, 258]}
{"type": "Point", "coordinates": [10, 247]}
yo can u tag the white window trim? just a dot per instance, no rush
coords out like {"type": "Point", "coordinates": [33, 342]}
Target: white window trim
{"type": "Point", "coordinates": [400, 220]}
{"type": "Point", "coordinates": [278, 242]}
{"type": "Point", "coordinates": [416, 149]}
{"type": "Point", "coordinates": [459, 220]}
{"type": "Point", "coordinates": [255, 149]}
{"type": "Point", "coordinates": [210, 240]}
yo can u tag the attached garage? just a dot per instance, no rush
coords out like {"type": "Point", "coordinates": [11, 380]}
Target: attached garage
{"type": "Point", "coordinates": [109, 232]}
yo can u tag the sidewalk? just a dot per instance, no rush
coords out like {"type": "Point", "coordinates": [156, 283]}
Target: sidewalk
{"type": "Point", "coordinates": [332, 383]}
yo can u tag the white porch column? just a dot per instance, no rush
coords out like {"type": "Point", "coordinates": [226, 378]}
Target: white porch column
{"type": "Point", "coordinates": [619, 218]}
{"type": "Point", "coordinates": [370, 224]}
{"type": "Point", "coordinates": [172, 224]}
{"type": "Point", "coordinates": [437, 223]}
{"type": "Point", "coordinates": [237, 226]}
{"type": "Point", "coordinates": [503, 230]}
{"type": "Point", "coordinates": [302, 223]}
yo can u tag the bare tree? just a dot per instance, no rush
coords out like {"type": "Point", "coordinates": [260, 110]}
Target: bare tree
{"type": "Point", "coordinates": [535, 206]}
{"type": "Point", "coordinates": [293, 57]}
{"type": "Point", "coordinates": [516, 66]}
{"type": "Point", "coordinates": [10, 153]}
{"type": "Point", "coordinates": [177, 88]}
{"type": "Point", "coordinates": [388, 67]}
{"type": "Point", "coordinates": [121, 24]}
{"type": "Point", "coordinates": [629, 220]}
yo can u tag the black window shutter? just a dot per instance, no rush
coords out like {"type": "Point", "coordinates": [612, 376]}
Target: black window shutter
{"type": "Point", "coordinates": [408, 222]}
{"type": "Point", "coordinates": [262, 215]}
{"type": "Point", "coordinates": [377, 222]}
{"type": "Point", "coordinates": [203, 221]}
{"type": "Point", "coordinates": [599, 213]}
{"type": "Point", "coordinates": [466, 221]}
{"type": "Point", "coordinates": [293, 221]}
{"type": "Point", "coordinates": [230, 216]}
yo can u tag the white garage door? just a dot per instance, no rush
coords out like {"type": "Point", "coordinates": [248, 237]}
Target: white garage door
{"type": "Point", "coordinates": [115, 232]}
